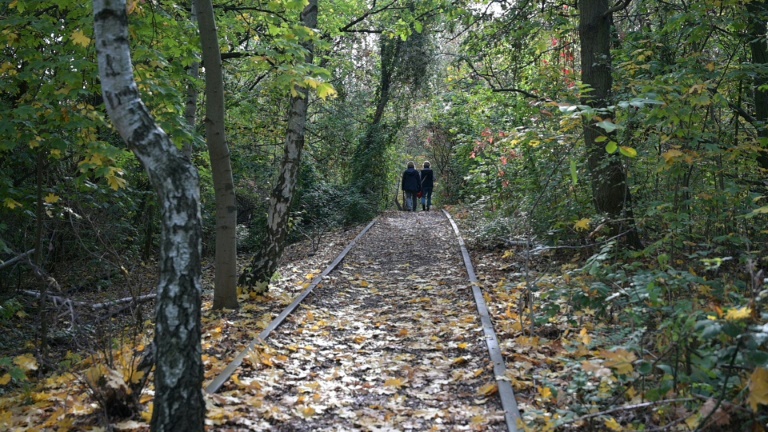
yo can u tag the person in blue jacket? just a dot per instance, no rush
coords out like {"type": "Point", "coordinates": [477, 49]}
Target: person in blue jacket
{"type": "Point", "coordinates": [427, 183]}
{"type": "Point", "coordinates": [411, 185]}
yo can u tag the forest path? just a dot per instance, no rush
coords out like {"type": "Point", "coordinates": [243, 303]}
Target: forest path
{"type": "Point", "coordinates": [390, 340]}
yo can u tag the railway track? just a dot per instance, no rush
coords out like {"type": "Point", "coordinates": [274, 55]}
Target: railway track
{"type": "Point", "coordinates": [393, 335]}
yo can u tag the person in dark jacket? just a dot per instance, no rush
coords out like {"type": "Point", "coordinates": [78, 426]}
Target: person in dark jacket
{"type": "Point", "coordinates": [427, 183]}
{"type": "Point", "coordinates": [411, 185]}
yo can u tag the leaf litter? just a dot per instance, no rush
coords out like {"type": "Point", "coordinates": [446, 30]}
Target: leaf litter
{"type": "Point", "coordinates": [388, 341]}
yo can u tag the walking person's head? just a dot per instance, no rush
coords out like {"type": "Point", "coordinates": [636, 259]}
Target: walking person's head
{"type": "Point", "coordinates": [426, 164]}
{"type": "Point", "coordinates": [410, 164]}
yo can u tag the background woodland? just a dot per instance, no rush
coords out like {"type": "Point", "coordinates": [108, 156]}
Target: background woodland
{"type": "Point", "coordinates": [614, 154]}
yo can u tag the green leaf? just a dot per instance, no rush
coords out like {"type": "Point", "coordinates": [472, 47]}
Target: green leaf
{"type": "Point", "coordinates": [574, 174]}
{"type": "Point", "coordinates": [607, 125]}
{"type": "Point", "coordinates": [611, 147]}
{"type": "Point", "coordinates": [628, 151]}
{"type": "Point", "coordinates": [601, 138]}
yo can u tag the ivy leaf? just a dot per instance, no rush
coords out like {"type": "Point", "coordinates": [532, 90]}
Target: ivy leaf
{"type": "Point", "coordinates": [611, 147]}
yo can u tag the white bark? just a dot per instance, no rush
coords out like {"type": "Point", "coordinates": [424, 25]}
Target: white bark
{"type": "Point", "coordinates": [178, 403]}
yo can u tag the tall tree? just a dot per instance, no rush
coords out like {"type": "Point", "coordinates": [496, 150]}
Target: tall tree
{"type": "Point", "coordinates": [179, 403]}
{"type": "Point", "coordinates": [758, 14]}
{"type": "Point", "coordinates": [266, 260]}
{"type": "Point", "coordinates": [610, 193]}
{"type": "Point", "coordinates": [225, 289]}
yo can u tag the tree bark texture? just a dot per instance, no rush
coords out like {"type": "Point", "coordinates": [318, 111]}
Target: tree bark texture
{"type": "Point", "coordinates": [758, 14]}
{"type": "Point", "coordinates": [266, 260]}
{"type": "Point", "coordinates": [225, 285]}
{"type": "Point", "coordinates": [178, 403]}
{"type": "Point", "coordinates": [609, 181]}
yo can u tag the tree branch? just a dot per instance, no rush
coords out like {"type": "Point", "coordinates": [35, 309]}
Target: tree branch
{"type": "Point", "coordinates": [16, 259]}
{"type": "Point", "coordinates": [617, 7]}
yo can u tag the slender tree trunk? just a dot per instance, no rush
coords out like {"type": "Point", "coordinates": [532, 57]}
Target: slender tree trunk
{"type": "Point", "coordinates": [758, 14]}
{"type": "Point", "coordinates": [190, 108]}
{"type": "Point", "coordinates": [178, 403]}
{"type": "Point", "coordinates": [225, 286]}
{"type": "Point", "coordinates": [265, 262]}
{"type": "Point", "coordinates": [609, 181]}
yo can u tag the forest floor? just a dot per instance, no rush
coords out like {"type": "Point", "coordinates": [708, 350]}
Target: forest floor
{"type": "Point", "coordinates": [390, 340]}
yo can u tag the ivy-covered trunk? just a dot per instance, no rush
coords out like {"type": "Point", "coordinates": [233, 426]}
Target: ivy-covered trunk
{"type": "Point", "coordinates": [179, 403]}
{"type": "Point", "coordinates": [610, 193]}
{"type": "Point", "coordinates": [225, 280]}
{"type": "Point", "coordinates": [266, 260]}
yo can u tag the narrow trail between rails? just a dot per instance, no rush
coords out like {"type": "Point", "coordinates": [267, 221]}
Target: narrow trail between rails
{"type": "Point", "coordinates": [390, 340]}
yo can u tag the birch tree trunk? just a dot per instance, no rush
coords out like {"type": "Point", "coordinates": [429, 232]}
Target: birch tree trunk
{"type": "Point", "coordinates": [225, 285]}
{"type": "Point", "coordinates": [610, 193]}
{"type": "Point", "coordinates": [179, 403]}
{"type": "Point", "coordinates": [265, 262]}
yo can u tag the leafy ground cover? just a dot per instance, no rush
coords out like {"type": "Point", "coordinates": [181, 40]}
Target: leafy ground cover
{"type": "Point", "coordinates": [391, 341]}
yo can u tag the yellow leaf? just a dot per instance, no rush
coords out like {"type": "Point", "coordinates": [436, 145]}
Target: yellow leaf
{"type": "Point", "coordinates": [488, 389]}
{"type": "Point", "coordinates": [620, 360]}
{"type": "Point", "coordinates": [586, 339]}
{"type": "Point", "coordinates": [582, 224]}
{"type": "Point", "coordinates": [710, 67]}
{"type": "Point", "coordinates": [545, 393]}
{"type": "Point", "coordinates": [5, 379]}
{"type": "Point", "coordinates": [325, 90]}
{"type": "Point", "coordinates": [26, 362]}
{"type": "Point", "coordinates": [115, 182]}
{"type": "Point", "coordinates": [671, 155]}
{"type": "Point", "coordinates": [12, 203]}
{"type": "Point", "coordinates": [79, 38]}
{"type": "Point", "coordinates": [147, 415]}
{"type": "Point", "coordinates": [307, 412]}
{"type": "Point", "coordinates": [52, 198]}
{"type": "Point", "coordinates": [395, 382]}
{"type": "Point", "coordinates": [738, 314]}
{"type": "Point", "coordinates": [758, 388]}
{"type": "Point", "coordinates": [613, 425]}
{"type": "Point", "coordinates": [508, 254]}
{"type": "Point", "coordinates": [463, 345]}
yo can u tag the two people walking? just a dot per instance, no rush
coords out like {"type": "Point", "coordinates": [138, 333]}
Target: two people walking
{"type": "Point", "coordinates": [414, 182]}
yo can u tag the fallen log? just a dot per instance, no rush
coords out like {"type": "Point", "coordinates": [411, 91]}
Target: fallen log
{"type": "Point", "coordinates": [60, 300]}
{"type": "Point", "coordinates": [16, 259]}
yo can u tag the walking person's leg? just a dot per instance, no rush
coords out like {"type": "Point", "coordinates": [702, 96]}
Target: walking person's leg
{"type": "Point", "coordinates": [428, 196]}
